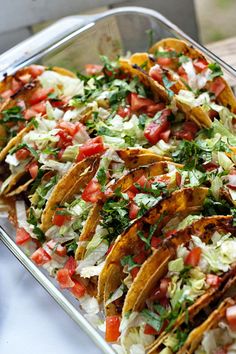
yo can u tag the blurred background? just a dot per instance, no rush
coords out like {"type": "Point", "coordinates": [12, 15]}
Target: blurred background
{"type": "Point", "coordinates": [205, 20]}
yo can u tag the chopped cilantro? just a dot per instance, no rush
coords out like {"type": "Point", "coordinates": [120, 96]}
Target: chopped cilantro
{"type": "Point", "coordinates": [165, 54]}
{"type": "Point", "coordinates": [216, 70]}
{"type": "Point", "coordinates": [71, 248]}
{"type": "Point", "coordinates": [115, 216]}
{"type": "Point", "coordinates": [142, 121]}
{"type": "Point", "coordinates": [36, 230]}
{"type": "Point", "coordinates": [102, 178]}
{"type": "Point", "coordinates": [212, 206]}
{"type": "Point", "coordinates": [13, 114]}
{"type": "Point", "coordinates": [129, 262]}
{"type": "Point", "coordinates": [168, 84]}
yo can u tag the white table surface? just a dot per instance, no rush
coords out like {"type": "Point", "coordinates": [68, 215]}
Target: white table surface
{"type": "Point", "coordinates": [31, 322]}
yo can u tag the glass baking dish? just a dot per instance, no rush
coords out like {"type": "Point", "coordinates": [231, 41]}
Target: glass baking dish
{"type": "Point", "coordinates": [71, 43]}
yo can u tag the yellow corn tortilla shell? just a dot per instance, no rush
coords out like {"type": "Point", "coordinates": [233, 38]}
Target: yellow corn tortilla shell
{"type": "Point", "coordinates": [212, 294]}
{"type": "Point", "coordinates": [15, 141]}
{"type": "Point", "coordinates": [135, 71]}
{"type": "Point", "coordinates": [72, 183]}
{"type": "Point", "coordinates": [195, 337]}
{"type": "Point", "coordinates": [185, 200]}
{"type": "Point", "coordinates": [226, 97]}
{"type": "Point", "coordinates": [204, 228]}
{"type": "Point", "coordinates": [19, 189]}
{"type": "Point", "coordinates": [196, 114]}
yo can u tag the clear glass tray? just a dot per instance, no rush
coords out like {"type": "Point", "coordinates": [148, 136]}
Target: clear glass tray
{"type": "Point", "coordinates": [71, 43]}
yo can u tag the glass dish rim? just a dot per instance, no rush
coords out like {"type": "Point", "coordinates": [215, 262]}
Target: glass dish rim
{"type": "Point", "coordinates": [7, 240]}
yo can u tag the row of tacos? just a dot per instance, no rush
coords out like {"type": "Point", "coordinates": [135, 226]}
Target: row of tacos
{"type": "Point", "coordinates": [125, 188]}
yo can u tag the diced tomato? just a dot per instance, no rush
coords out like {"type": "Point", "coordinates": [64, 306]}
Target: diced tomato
{"type": "Point", "coordinates": [165, 135]}
{"type": "Point", "coordinates": [91, 147]}
{"type": "Point", "coordinates": [163, 61]}
{"type": "Point", "coordinates": [152, 109]}
{"type": "Point", "coordinates": [210, 166]}
{"type": "Point", "coordinates": [22, 154]}
{"type": "Point", "coordinates": [161, 291]}
{"type": "Point", "coordinates": [40, 256]}
{"type": "Point", "coordinates": [33, 169]}
{"type": "Point", "coordinates": [134, 272]}
{"type": "Point", "coordinates": [131, 194]}
{"type": "Point", "coordinates": [217, 86]}
{"type": "Point", "coordinates": [93, 69]}
{"type": "Point", "coordinates": [92, 192]}
{"type": "Point", "coordinates": [138, 102]}
{"type": "Point", "coordinates": [112, 328]}
{"type": "Point", "coordinates": [59, 219]}
{"type": "Point", "coordinates": [181, 71]}
{"type": "Point", "coordinates": [71, 265]}
{"type": "Point", "coordinates": [140, 258]}
{"type": "Point", "coordinates": [194, 256]}
{"type": "Point", "coordinates": [155, 241]}
{"type": "Point", "coordinates": [22, 236]}
{"type": "Point", "coordinates": [65, 139]}
{"type": "Point", "coordinates": [124, 112]}
{"type": "Point", "coordinates": [190, 127]}
{"type": "Point", "coordinates": [64, 278]}
{"type": "Point", "coordinates": [143, 182]}
{"type": "Point", "coordinates": [178, 178]}
{"type": "Point", "coordinates": [15, 85]}
{"type": "Point", "coordinates": [231, 317]}
{"type": "Point", "coordinates": [39, 108]}
{"type": "Point", "coordinates": [78, 290]}
{"type": "Point", "coordinates": [7, 94]}
{"type": "Point", "coordinates": [185, 135]}
{"type": "Point", "coordinates": [40, 95]}
{"type": "Point", "coordinates": [35, 70]}
{"type": "Point", "coordinates": [156, 73]}
{"type": "Point", "coordinates": [29, 113]}
{"type": "Point", "coordinates": [150, 330]}
{"type": "Point", "coordinates": [188, 131]}
{"type": "Point", "coordinates": [154, 129]}
{"type": "Point", "coordinates": [200, 65]}
{"type": "Point", "coordinates": [133, 211]}
{"type": "Point", "coordinates": [213, 280]}
{"type": "Point", "coordinates": [70, 128]}
{"type": "Point", "coordinates": [61, 250]}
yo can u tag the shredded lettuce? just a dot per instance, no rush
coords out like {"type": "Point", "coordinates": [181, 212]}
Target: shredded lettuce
{"type": "Point", "coordinates": [63, 85]}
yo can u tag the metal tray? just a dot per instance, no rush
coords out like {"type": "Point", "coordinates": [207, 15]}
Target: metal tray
{"type": "Point", "coordinates": [73, 42]}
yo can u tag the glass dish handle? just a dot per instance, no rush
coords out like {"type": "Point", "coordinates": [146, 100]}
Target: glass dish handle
{"type": "Point", "coordinates": [42, 40]}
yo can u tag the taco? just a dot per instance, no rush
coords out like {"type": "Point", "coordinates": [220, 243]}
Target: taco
{"type": "Point", "coordinates": [144, 235]}
{"type": "Point", "coordinates": [195, 71]}
{"type": "Point", "coordinates": [204, 274]}
{"type": "Point", "coordinates": [129, 198]}
{"type": "Point", "coordinates": [216, 334]}
{"type": "Point", "coordinates": [37, 87]}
